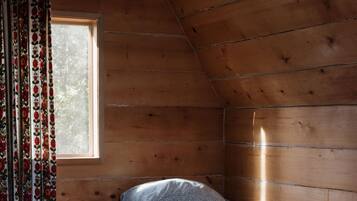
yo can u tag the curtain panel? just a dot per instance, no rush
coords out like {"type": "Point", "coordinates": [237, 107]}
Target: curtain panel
{"type": "Point", "coordinates": [27, 123]}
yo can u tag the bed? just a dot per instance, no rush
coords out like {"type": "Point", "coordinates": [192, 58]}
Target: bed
{"type": "Point", "coordinates": [171, 190]}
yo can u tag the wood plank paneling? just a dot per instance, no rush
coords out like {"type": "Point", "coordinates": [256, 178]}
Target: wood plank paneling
{"type": "Point", "coordinates": [241, 189]}
{"type": "Point", "coordinates": [258, 54]}
{"type": "Point", "coordinates": [148, 62]}
{"type": "Point", "coordinates": [239, 125]}
{"type": "Point", "coordinates": [145, 159]}
{"type": "Point", "coordinates": [342, 196]}
{"type": "Point", "coordinates": [322, 168]}
{"type": "Point", "coordinates": [324, 127]}
{"type": "Point", "coordinates": [162, 124]}
{"type": "Point", "coordinates": [159, 89]}
{"type": "Point", "coordinates": [248, 19]}
{"type": "Point", "coordinates": [325, 86]}
{"type": "Point", "coordinates": [329, 44]}
{"type": "Point", "coordinates": [110, 189]}
{"type": "Point", "coordinates": [185, 7]}
{"type": "Point", "coordinates": [149, 16]}
{"type": "Point", "coordinates": [76, 6]}
{"type": "Point", "coordinates": [146, 52]}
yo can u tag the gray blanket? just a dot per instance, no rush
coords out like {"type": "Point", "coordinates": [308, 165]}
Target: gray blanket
{"type": "Point", "coordinates": [171, 190]}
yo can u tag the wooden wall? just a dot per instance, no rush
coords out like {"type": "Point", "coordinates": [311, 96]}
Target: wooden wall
{"type": "Point", "coordinates": [287, 71]}
{"type": "Point", "coordinates": [162, 117]}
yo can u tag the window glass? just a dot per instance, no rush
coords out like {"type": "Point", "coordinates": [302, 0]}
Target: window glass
{"type": "Point", "coordinates": [71, 81]}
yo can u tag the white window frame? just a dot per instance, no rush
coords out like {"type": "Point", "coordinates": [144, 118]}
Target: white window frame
{"type": "Point", "coordinates": [94, 73]}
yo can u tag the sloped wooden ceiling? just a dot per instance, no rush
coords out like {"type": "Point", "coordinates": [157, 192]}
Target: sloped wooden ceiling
{"type": "Point", "coordinates": [287, 70]}
{"type": "Point", "coordinates": [268, 53]}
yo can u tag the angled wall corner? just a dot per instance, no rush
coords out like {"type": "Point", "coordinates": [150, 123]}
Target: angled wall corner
{"type": "Point", "coordinates": [289, 68]}
{"type": "Point", "coordinates": [162, 118]}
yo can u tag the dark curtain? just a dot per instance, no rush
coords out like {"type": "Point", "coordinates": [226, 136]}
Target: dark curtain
{"type": "Point", "coordinates": [27, 128]}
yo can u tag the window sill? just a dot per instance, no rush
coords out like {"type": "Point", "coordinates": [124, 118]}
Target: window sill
{"type": "Point", "coordinates": [78, 161]}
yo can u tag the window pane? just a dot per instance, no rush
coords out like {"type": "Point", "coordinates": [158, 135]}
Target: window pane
{"type": "Point", "coordinates": [70, 58]}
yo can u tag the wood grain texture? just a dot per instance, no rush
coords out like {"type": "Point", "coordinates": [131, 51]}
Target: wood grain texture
{"type": "Point", "coordinates": [325, 86]}
{"type": "Point", "coordinates": [148, 62]}
{"type": "Point", "coordinates": [243, 189]}
{"type": "Point", "coordinates": [342, 196]}
{"type": "Point", "coordinates": [321, 168]}
{"type": "Point", "coordinates": [191, 7]}
{"type": "Point", "coordinates": [149, 16]}
{"type": "Point", "coordinates": [330, 44]}
{"type": "Point", "coordinates": [239, 125]}
{"type": "Point", "coordinates": [111, 188]}
{"type": "Point", "coordinates": [76, 6]}
{"type": "Point", "coordinates": [159, 89]}
{"type": "Point", "coordinates": [140, 16]}
{"type": "Point", "coordinates": [147, 52]}
{"type": "Point", "coordinates": [249, 19]}
{"type": "Point", "coordinates": [163, 124]}
{"type": "Point", "coordinates": [145, 159]}
{"type": "Point", "coordinates": [258, 54]}
{"type": "Point", "coordinates": [324, 127]}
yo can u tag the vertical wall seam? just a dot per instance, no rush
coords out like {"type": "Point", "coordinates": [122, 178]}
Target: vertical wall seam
{"type": "Point", "coordinates": [224, 148]}
{"type": "Point", "coordinates": [194, 49]}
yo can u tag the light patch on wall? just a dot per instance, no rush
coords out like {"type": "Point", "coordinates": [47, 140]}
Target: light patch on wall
{"type": "Point", "coordinates": [262, 162]}
{"type": "Point", "coordinates": [263, 181]}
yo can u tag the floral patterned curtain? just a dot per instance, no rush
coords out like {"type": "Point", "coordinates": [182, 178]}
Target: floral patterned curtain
{"type": "Point", "coordinates": [27, 132]}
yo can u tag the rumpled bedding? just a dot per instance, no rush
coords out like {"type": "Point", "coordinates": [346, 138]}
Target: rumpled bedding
{"type": "Point", "coordinates": [172, 190]}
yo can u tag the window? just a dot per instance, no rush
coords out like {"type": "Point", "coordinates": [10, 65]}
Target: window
{"type": "Point", "coordinates": [75, 59]}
